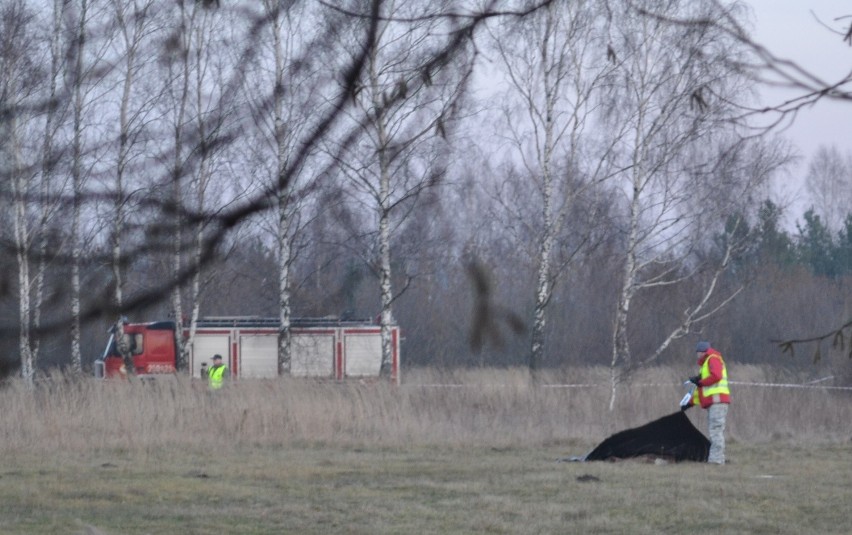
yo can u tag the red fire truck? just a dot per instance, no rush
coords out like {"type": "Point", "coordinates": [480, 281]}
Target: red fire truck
{"type": "Point", "coordinates": [320, 347]}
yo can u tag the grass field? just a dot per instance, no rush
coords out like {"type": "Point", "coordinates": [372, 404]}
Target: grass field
{"type": "Point", "coordinates": [77, 456]}
{"type": "Point", "coordinates": [324, 489]}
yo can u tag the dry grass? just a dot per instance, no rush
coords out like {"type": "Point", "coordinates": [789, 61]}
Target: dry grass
{"type": "Point", "coordinates": [82, 456]}
{"type": "Point", "coordinates": [490, 408]}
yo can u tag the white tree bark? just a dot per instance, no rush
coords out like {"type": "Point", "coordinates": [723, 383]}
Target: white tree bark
{"type": "Point", "coordinates": [77, 180]}
{"type": "Point", "coordinates": [134, 20]}
{"type": "Point", "coordinates": [53, 118]}
{"type": "Point", "coordinates": [677, 136]}
{"type": "Point", "coordinates": [20, 188]}
{"type": "Point", "coordinates": [179, 89]}
{"type": "Point", "coordinates": [17, 179]}
{"type": "Point", "coordinates": [284, 186]}
{"type": "Point", "coordinates": [404, 106]}
{"type": "Point", "coordinates": [554, 62]}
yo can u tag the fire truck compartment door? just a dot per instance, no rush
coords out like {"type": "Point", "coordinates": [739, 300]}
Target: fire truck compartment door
{"type": "Point", "coordinates": [259, 356]}
{"type": "Point", "coordinates": [312, 355]}
{"type": "Point", "coordinates": [363, 354]}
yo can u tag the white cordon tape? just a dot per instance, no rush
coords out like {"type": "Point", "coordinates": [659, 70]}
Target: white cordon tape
{"type": "Point", "coordinates": [738, 383]}
{"type": "Point", "coordinates": [788, 385]}
{"type": "Point", "coordinates": [810, 385]}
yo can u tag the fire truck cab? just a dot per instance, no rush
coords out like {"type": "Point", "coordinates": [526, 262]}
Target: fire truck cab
{"type": "Point", "coordinates": [151, 347]}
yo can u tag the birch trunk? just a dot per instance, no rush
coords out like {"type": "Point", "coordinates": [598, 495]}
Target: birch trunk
{"type": "Point", "coordinates": [620, 362]}
{"type": "Point", "coordinates": [546, 61]}
{"type": "Point", "coordinates": [544, 286]}
{"type": "Point", "coordinates": [131, 34]}
{"type": "Point", "coordinates": [177, 176]}
{"type": "Point", "coordinates": [201, 181]}
{"type": "Point", "coordinates": [22, 240]}
{"type": "Point", "coordinates": [17, 179]}
{"type": "Point", "coordinates": [385, 282]}
{"type": "Point", "coordinates": [52, 118]}
{"type": "Point", "coordinates": [679, 145]}
{"type": "Point", "coordinates": [77, 178]}
{"type": "Point", "coordinates": [385, 286]}
{"type": "Point", "coordinates": [406, 100]}
{"type": "Point", "coordinates": [283, 196]}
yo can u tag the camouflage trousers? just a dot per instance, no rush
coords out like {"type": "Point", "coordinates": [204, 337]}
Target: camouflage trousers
{"type": "Point", "coordinates": [716, 416]}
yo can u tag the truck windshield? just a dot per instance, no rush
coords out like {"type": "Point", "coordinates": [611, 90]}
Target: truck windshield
{"type": "Point", "coordinates": [134, 342]}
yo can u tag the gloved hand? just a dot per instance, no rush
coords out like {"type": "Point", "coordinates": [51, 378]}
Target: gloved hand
{"type": "Point", "coordinates": [694, 379]}
{"type": "Point", "coordinates": [685, 407]}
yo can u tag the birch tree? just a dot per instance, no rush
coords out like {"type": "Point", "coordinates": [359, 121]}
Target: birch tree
{"type": "Point", "coordinates": [85, 74]}
{"type": "Point", "coordinates": [177, 90]}
{"type": "Point", "coordinates": [174, 147]}
{"type": "Point", "coordinates": [404, 102]}
{"type": "Point", "coordinates": [201, 71]}
{"type": "Point", "coordinates": [77, 178]}
{"type": "Point", "coordinates": [285, 94]}
{"type": "Point", "coordinates": [83, 78]}
{"type": "Point", "coordinates": [555, 62]}
{"type": "Point", "coordinates": [675, 86]}
{"type": "Point", "coordinates": [135, 23]}
{"type": "Point", "coordinates": [281, 45]}
{"type": "Point", "coordinates": [17, 93]}
{"type": "Point", "coordinates": [214, 111]}
{"type": "Point", "coordinates": [50, 155]}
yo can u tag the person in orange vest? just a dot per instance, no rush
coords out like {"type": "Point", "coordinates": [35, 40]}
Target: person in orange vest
{"type": "Point", "coordinates": [712, 393]}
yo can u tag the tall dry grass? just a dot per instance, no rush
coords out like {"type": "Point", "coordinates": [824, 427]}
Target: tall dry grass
{"type": "Point", "coordinates": [499, 408]}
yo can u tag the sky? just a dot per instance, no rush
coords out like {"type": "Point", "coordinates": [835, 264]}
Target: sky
{"type": "Point", "coordinates": [790, 29]}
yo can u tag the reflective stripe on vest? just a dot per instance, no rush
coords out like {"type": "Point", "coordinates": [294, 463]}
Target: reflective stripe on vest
{"type": "Point", "coordinates": [216, 376]}
{"type": "Point", "coordinates": [715, 389]}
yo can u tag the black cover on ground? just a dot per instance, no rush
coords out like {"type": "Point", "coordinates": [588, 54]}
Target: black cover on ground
{"type": "Point", "coordinates": [673, 437]}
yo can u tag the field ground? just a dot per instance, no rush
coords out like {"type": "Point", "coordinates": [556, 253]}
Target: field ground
{"type": "Point", "coordinates": [316, 488]}
{"type": "Point", "coordinates": [469, 452]}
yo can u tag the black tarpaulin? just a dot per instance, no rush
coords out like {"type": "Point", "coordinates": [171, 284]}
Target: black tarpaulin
{"type": "Point", "coordinates": [672, 437]}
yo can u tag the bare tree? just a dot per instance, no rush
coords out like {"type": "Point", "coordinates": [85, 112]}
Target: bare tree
{"type": "Point", "coordinates": [555, 62]}
{"type": "Point", "coordinates": [676, 83]}
{"type": "Point", "coordinates": [177, 62]}
{"type": "Point", "coordinates": [768, 68]}
{"type": "Point", "coordinates": [50, 156]}
{"type": "Point", "coordinates": [165, 211]}
{"type": "Point", "coordinates": [765, 66]}
{"type": "Point", "coordinates": [214, 112]}
{"type": "Point", "coordinates": [134, 21]}
{"type": "Point", "coordinates": [282, 150]}
{"type": "Point", "coordinates": [77, 172]}
{"type": "Point", "coordinates": [285, 94]}
{"type": "Point", "coordinates": [86, 72]}
{"type": "Point", "coordinates": [404, 102]}
{"type": "Point", "coordinates": [17, 88]}
{"type": "Point", "coordinates": [829, 183]}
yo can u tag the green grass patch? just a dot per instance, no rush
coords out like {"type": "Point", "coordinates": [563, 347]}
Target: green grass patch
{"type": "Point", "coordinates": [321, 489]}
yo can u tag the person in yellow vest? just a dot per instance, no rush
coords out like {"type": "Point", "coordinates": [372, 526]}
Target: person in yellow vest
{"type": "Point", "coordinates": [712, 393]}
{"type": "Point", "coordinates": [217, 374]}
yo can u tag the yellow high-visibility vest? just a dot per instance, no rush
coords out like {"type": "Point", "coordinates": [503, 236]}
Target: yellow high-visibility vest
{"type": "Point", "coordinates": [216, 376]}
{"type": "Point", "coordinates": [716, 389]}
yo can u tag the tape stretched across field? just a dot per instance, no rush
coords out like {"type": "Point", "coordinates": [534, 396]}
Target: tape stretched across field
{"type": "Point", "coordinates": [671, 437]}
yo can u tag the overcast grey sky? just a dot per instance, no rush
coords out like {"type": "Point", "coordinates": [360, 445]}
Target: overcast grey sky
{"type": "Point", "coordinates": [790, 29]}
